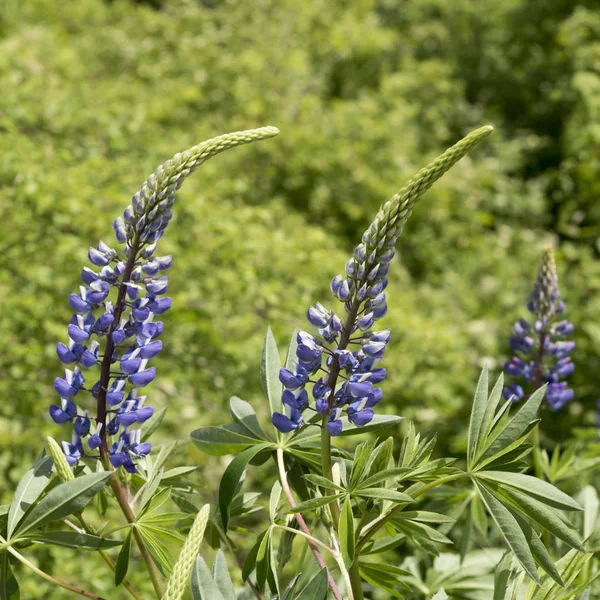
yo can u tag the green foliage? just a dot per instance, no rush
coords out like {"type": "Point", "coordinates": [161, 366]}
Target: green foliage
{"type": "Point", "coordinates": [96, 94]}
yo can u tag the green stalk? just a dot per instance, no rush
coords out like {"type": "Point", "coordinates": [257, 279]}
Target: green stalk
{"type": "Point", "coordinates": [356, 581]}
{"type": "Point", "coordinates": [126, 583]}
{"type": "Point", "coordinates": [303, 526]}
{"type": "Point", "coordinates": [53, 580]}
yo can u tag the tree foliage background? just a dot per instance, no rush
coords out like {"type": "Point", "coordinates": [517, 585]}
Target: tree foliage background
{"type": "Point", "coordinates": [96, 94]}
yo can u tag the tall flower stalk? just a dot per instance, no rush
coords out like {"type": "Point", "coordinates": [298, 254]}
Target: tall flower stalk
{"type": "Point", "coordinates": [342, 361]}
{"type": "Point", "coordinates": [115, 329]}
{"type": "Point", "coordinates": [540, 345]}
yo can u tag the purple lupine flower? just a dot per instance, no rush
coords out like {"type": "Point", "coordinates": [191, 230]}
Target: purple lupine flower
{"type": "Point", "coordinates": [361, 292]}
{"type": "Point", "coordinates": [541, 356]}
{"type": "Point", "coordinates": [121, 333]}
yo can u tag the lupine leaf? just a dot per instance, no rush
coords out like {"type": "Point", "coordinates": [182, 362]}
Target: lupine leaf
{"type": "Point", "coordinates": [382, 458]}
{"type": "Point", "coordinates": [288, 593]}
{"type": "Point", "coordinates": [323, 482]}
{"type": "Point", "coordinates": [65, 499]}
{"type": "Point", "coordinates": [386, 475]}
{"type": "Point", "coordinates": [272, 577]}
{"type": "Point", "coordinates": [383, 494]}
{"type": "Point", "coordinates": [414, 530]}
{"type": "Point", "coordinates": [274, 500]}
{"type": "Point", "coordinates": [517, 425]}
{"type": "Point", "coordinates": [441, 595]}
{"type": "Point", "coordinates": [153, 504]}
{"type": "Point", "coordinates": [510, 530]}
{"type": "Point", "coordinates": [173, 475]}
{"type": "Point", "coordinates": [243, 414]}
{"type": "Point", "coordinates": [316, 588]}
{"type": "Point", "coordinates": [9, 587]}
{"type": "Point", "coordinates": [28, 490]}
{"type": "Point", "coordinates": [227, 439]}
{"type": "Point", "coordinates": [250, 562]}
{"type": "Point", "coordinates": [262, 561]}
{"type": "Point", "coordinates": [543, 491]}
{"type": "Point", "coordinates": [361, 458]}
{"type": "Point", "coordinates": [346, 530]}
{"type": "Point", "coordinates": [150, 490]}
{"type": "Point", "coordinates": [545, 516]}
{"type": "Point", "coordinates": [540, 554]}
{"type": "Point", "coordinates": [159, 551]}
{"type": "Point", "coordinates": [591, 505]}
{"type": "Point", "coordinates": [231, 478]}
{"type": "Point", "coordinates": [203, 584]}
{"type": "Point", "coordinates": [313, 503]}
{"type": "Point", "coordinates": [123, 560]}
{"type": "Point", "coordinates": [153, 423]}
{"type": "Point", "coordinates": [477, 414]}
{"type": "Point", "coordinates": [490, 411]}
{"type": "Point", "coordinates": [508, 579]}
{"type": "Point", "coordinates": [74, 539]}
{"type": "Point", "coordinates": [385, 577]}
{"type": "Point", "coordinates": [221, 577]}
{"type": "Point", "coordinates": [424, 516]}
{"type": "Point", "coordinates": [290, 356]}
{"type": "Point", "coordinates": [269, 369]}
{"type": "Point", "coordinates": [378, 423]}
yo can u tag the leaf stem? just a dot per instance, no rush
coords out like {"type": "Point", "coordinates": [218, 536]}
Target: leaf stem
{"type": "Point", "coordinates": [47, 577]}
{"type": "Point", "coordinates": [302, 523]}
{"type": "Point", "coordinates": [89, 529]}
{"type": "Point", "coordinates": [121, 497]}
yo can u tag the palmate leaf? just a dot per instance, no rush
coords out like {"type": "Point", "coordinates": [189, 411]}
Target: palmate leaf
{"type": "Point", "coordinates": [212, 586]}
{"type": "Point", "coordinates": [29, 489]}
{"type": "Point", "coordinates": [511, 532]}
{"type": "Point", "coordinates": [316, 588]}
{"type": "Point", "coordinates": [243, 414]}
{"type": "Point", "coordinates": [9, 588]}
{"type": "Point", "coordinates": [73, 539]}
{"type": "Point", "coordinates": [508, 578]}
{"type": "Point", "coordinates": [269, 369]}
{"type": "Point", "coordinates": [514, 507]}
{"type": "Point", "coordinates": [231, 478]}
{"type": "Point", "coordinates": [65, 499]}
{"type": "Point", "coordinates": [226, 439]}
{"type": "Point", "coordinates": [569, 567]}
{"type": "Point", "coordinates": [346, 533]}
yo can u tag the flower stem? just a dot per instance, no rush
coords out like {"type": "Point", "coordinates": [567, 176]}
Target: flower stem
{"type": "Point", "coordinates": [126, 583]}
{"type": "Point", "coordinates": [302, 523]}
{"type": "Point", "coordinates": [356, 581]}
{"type": "Point", "coordinates": [58, 582]}
{"type": "Point", "coordinates": [121, 497]}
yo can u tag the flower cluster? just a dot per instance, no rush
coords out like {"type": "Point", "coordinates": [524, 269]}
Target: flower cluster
{"type": "Point", "coordinates": [120, 335]}
{"type": "Point", "coordinates": [124, 337]}
{"type": "Point", "coordinates": [348, 351]}
{"type": "Point", "coordinates": [543, 337]}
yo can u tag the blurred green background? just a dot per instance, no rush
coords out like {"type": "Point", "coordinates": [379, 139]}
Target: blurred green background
{"type": "Point", "coordinates": [94, 95]}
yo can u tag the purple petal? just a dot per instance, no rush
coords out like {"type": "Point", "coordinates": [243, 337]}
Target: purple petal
{"type": "Point", "coordinates": [362, 417]}
{"type": "Point", "coordinates": [77, 334]}
{"type": "Point", "coordinates": [143, 377]}
{"type": "Point", "coordinates": [64, 354]}
{"type": "Point", "coordinates": [282, 423]}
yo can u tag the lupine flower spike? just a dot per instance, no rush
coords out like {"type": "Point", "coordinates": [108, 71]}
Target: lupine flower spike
{"type": "Point", "coordinates": [349, 349]}
{"type": "Point", "coordinates": [541, 350]}
{"type": "Point", "coordinates": [119, 336]}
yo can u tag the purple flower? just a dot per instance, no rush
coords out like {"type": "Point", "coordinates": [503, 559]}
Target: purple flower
{"type": "Point", "coordinates": [64, 413]}
{"type": "Point", "coordinates": [547, 359]}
